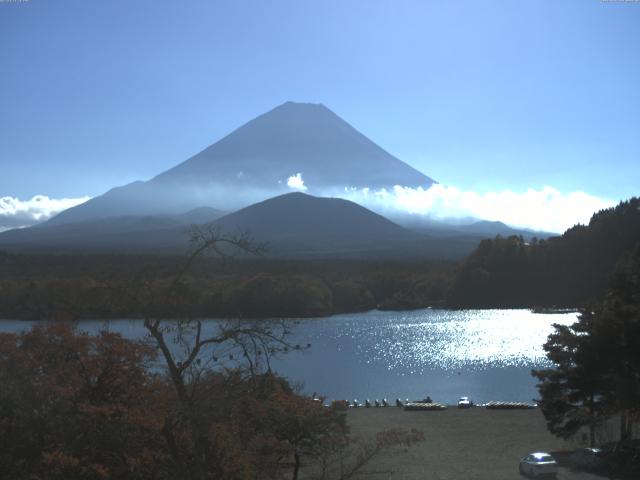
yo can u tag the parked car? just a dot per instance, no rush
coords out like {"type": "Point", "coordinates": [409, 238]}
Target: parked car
{"type": "Point", "coordinates": [538, 464]}
{"type": "Point", "coordinates": [587, 458]}
{"type": "Point", "coordinates": [464, 402]}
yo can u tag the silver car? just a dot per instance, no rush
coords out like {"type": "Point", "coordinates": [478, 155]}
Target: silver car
{"type": "Point", "coordinates": [539, 464]}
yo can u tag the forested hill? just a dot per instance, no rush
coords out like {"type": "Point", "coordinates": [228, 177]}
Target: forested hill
{"type": "Point", "coordinates": [565, 271]}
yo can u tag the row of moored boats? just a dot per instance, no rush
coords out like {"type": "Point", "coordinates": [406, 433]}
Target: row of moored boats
{"type": "Point", "coordinates": [428, 405]}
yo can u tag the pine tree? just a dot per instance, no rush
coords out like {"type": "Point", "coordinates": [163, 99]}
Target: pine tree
{"type": "Point", "coordinates": [597, 360]}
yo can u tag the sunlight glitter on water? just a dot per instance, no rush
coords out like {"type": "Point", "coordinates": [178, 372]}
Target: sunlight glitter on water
{"type": "Point", "coordinates": [415, 341]}
{"type": "Point", "coordinates": [487, 354]}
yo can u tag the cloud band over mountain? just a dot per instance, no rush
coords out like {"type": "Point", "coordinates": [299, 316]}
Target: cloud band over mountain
{"type": "Point", "coordinates": [546, 209]}
{"type": "Point", "coordinates": [16, 213]}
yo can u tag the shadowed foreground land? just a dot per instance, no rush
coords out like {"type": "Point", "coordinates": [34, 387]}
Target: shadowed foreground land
{"type": "Point", "coordinates": [460, 444]}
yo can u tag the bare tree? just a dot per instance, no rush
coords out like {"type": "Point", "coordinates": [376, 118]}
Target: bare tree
{"type": "Point", "coordinates": [191, 347]}
{"type": "Point", "coordinates": [192, 350]}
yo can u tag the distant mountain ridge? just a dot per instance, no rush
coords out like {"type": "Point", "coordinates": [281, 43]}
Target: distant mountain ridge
{"type": "Point", "coordinates": [463, 226]}
{"type": "Point", "coordinates": [254, 163]}
{"type": "Point", "coordinates": [124, 234]}
{"type": "Point", "coordinates": [293, 225]}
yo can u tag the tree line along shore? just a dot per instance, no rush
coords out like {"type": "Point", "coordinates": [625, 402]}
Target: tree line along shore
{"type": "Point", "coordinates": [567, 271]}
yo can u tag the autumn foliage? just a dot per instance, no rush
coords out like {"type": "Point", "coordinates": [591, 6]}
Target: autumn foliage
{"type": "Point", "coordinates": [76, 406]}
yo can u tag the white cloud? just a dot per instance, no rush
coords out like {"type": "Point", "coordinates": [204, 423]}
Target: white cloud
{"type": "Point", "coordinates": [16, 213]}
{"type": "Point", "coordinates": [545, 209]}
{"type": "Point", "coordinates": [296, 182]}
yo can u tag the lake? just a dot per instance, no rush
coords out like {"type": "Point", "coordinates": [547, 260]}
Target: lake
{"type": "Point", "coordinates": [483, 354]}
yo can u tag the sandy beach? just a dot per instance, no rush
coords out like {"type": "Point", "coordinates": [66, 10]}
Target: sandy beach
{"type": "Point", "coordinates": [460, 444]}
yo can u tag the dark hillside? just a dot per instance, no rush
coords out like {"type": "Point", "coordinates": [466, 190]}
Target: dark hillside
{"type": "Point", "coordinates": [306, 217]}
{"type": "Point", "coordinates": [562, 271]}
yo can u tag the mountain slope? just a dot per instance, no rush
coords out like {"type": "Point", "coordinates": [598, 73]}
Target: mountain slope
{"type": "Point", "coordinates": [301, 216]}
{"type": "Point", "coordinates": [255, 162]}
{"type": "Point", "coordinates": [293, 225]}
{"type": "Point", "coordinates": [298, 225]}
{"type": "Point", "coordinates": [133, 234]}
{"type": "Point", "coordinates": [297, 138]}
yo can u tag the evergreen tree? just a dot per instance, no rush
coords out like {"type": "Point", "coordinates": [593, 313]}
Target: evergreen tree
{"type": "Point", "coordinates": [616, 332]}
{"type": "Point", "coordinates": [597, 360]}
{"type": "Point", "coordinates": [571, 393]}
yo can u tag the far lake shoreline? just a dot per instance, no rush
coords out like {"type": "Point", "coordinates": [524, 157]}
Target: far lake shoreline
{"type": "Point", "coordinates": [533, 310]}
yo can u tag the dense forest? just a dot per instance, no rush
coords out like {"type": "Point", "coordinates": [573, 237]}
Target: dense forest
{"type": "Point", "coordinates": [92, 286]}
{"type": "Point", "coordinates": [565, 271]}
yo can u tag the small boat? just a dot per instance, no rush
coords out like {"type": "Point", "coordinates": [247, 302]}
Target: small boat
{"type": "Point", "coordinates": [413, 406]}
{"type": "Point", "coordinates": [493, 405]}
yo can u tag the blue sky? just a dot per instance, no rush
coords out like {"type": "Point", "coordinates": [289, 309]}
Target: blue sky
{"type": "Point", "coordinates": [483, 96]}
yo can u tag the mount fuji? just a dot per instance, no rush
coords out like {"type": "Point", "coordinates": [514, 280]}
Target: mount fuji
{"type": "Point", "coordinates": [300, 142]}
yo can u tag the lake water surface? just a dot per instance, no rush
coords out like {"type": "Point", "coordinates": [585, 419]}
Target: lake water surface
{"type": "Point", "coordinates": [484, 354]}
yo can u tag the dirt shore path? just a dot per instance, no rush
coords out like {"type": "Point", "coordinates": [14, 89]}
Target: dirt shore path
{"type": "Point", "coordinates": [460, 444]}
